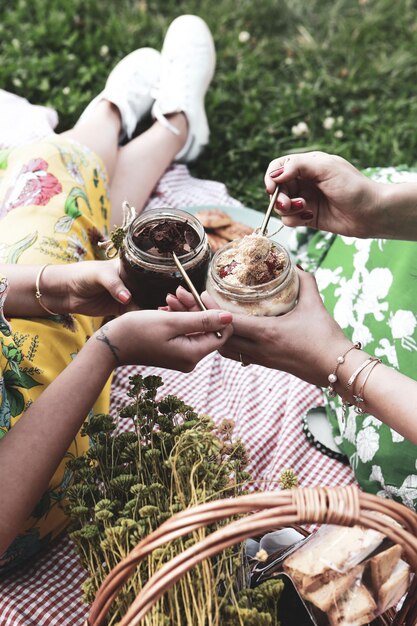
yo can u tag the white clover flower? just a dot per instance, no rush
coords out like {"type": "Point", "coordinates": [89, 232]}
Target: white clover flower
{"type": "Point", "coordinates": [104, 51]}
{"type": "Point", "coordinates": [17, 82]}
{"type": "Point", "coordinates": [244, 36]}
{"type": "Point", "coordinates": [66, 91]}
{"type": "Point", "coordinates": [261, 555]}
{"type": "Point", "coordinates": [338, 133]}
{"type": "Point", "coordinates": [340, 119]}
{"type": "Point", "coordinates": [328, 122]}
{"type": "Point", "coordinates": [300, 129]}
{"type": "Point", "coordinates": [16, 43]}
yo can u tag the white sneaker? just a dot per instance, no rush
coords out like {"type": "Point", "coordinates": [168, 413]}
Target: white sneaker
{"type": "Point", "coordinates": [129, 87]}
{"type": "Point", "coordinates": [188, 64]}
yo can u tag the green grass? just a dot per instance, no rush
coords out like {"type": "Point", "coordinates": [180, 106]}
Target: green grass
{"type": "Point", "coordinates": [305, 60]}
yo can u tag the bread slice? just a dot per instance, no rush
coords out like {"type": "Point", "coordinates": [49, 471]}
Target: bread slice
{"type": "Point", "coordinates": [333, 550]}
{"type": "Point", "coordinates": [327, 596]}
{"type": "Point", "coordinates": [356, 607]}
{"type": "Point", "coordinates": [395, 587]}
{"type": "Point", "coordinates": [216, 242]}
{"type": "Point", "coordinates": [382, 565]}
{"type": "Point", "coordinates": [213, 218]}
{"type": "Point", "coordinates": [236, 230]}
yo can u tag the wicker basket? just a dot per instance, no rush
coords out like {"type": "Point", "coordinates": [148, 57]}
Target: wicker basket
{"type": "Point", "coordinates": [345, 506]}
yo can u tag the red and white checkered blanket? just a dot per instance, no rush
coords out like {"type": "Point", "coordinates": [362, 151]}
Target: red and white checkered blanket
{"type": "Point", "coordinates": [267, 407]}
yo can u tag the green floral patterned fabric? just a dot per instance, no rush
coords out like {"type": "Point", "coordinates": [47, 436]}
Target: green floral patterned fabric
{"type": "Point", "coordinates": [370, 287]}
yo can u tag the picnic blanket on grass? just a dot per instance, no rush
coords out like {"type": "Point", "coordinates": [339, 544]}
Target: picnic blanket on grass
{"type": "Point", "coordinates": [267, 407]}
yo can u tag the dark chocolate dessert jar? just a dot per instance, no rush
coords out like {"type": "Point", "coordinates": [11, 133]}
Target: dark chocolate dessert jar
{"type": "Point", "coordinates": [146, 264]}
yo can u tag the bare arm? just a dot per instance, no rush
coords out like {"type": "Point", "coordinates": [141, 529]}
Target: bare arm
{"type": "Point", "coordinates": [388, 395]}
{"type": "Point", "coordinates": [35, 446]}
{"type": "Point", "coordinates": [37, 443]}
{"type": "Point", "coordinates": [396, 212]}
{"type": "Point", "coordinates": [89, 287]}
{"type": "Point", "coordinates": [326, 192]}
{"type": "Point", "coordinates": [306, 342]}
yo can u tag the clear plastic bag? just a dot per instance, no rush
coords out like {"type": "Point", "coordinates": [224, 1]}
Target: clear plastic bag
{"type": "Point", "coordinates": [347, 576]}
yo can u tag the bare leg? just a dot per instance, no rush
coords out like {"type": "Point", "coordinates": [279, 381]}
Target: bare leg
{"type": "Point", "coordinates": [142, 162]}
{"type": "Point", "coordinates": [100, 132]}
{"type": "Point", "coordinates": [135, 168]}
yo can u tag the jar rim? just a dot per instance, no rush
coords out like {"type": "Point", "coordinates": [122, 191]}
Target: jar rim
{"type": "Point", "coordinates": [249, 292]}
{"type": "Point", "coordinates": [156, 215]}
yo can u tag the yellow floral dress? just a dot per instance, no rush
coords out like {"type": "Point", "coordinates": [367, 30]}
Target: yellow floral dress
{"type": "Point", "coordinates": [54, 208]}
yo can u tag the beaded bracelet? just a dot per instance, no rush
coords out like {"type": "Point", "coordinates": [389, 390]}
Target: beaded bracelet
{"type": "Point", "coordinates": [38, 294]}
{"type": "Point", "coordinates": [332, 378]}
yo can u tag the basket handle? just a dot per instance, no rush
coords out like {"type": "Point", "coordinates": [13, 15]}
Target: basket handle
{"type": "Point", "coordinates": [341, 505]}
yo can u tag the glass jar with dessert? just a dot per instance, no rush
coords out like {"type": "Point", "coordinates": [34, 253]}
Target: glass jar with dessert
{"type": "Point", "coordinates": [253, 275]}
{"type": "Point", "coordinates": [147, 266]}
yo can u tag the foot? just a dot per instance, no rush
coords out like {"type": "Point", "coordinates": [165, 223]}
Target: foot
{"type": "Point", "coordinates": [188, 60]}
{"type": "Point", "coordinates": [129, 87]}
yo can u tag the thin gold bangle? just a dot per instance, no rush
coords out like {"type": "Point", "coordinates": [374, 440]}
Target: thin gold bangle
{"type": "Point", "coordinates": [38, 294]}
{"type": "Point", "coordinates": [359, 397]}
{"type": "Point", "coordinates": [356, 373]}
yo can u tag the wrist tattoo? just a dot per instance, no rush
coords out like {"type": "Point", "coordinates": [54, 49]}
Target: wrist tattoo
{"type": "Point", "coordinates": [101, 336]}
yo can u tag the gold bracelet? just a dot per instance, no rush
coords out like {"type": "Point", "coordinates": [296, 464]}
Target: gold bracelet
{"type": "Point", "coordinates": [38, 294]}
{"type": "Point", "coordinates": [359, 398]}
{"type": "Point", "coordinates": [356, 373]}
{"type": "Point", "coordinates": [332, 378]}
{"type": "Point", "coordinates": [351, 382]}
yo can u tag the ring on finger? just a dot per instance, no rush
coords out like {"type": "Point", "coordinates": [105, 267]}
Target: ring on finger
{"type": "Point", "coordinates": [242, 362]}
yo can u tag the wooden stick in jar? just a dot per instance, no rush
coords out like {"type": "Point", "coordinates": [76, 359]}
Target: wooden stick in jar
{"type": "Point", "coordinates": [191, 287]}
{"type": "Point", "coordinates": [269, 211]}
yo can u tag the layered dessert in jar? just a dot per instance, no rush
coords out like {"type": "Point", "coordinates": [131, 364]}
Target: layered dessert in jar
{"type": "Point", "coordinates": [253, 275]}
{"type": "Point", "coordinates": [147, 266]}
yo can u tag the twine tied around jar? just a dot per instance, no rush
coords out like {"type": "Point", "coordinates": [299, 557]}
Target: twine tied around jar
{"type": "Point", "coordinates": [112, 246]}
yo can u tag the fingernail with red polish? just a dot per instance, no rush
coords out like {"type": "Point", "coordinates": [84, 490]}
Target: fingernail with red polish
{"type": "Point", "coordinates": [300, 267]}
{"type": "Point", "coordinates": [297, 204]}
{"type": "Point", "coordinates": [225, 318]}
{"type": "Point", "coordinates": [306, 215]}
{"type": "Point", "coordinates": [276, 173]}
{"type": "Point", "coordinates": [124, 296]}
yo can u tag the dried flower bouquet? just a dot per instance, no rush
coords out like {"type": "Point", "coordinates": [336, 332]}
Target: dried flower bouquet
{"type": "Point", "coordinates": [128, 483]}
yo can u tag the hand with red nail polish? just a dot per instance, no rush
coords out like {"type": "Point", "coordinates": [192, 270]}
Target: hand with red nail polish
{"type": "Point", "coordinates": [308, 343]}
{"type": "Point", "coordinates": [327, 192]}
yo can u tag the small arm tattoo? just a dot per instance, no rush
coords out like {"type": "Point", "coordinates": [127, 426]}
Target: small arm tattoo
{"type": "Point", "coordinates": [101, 336]}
